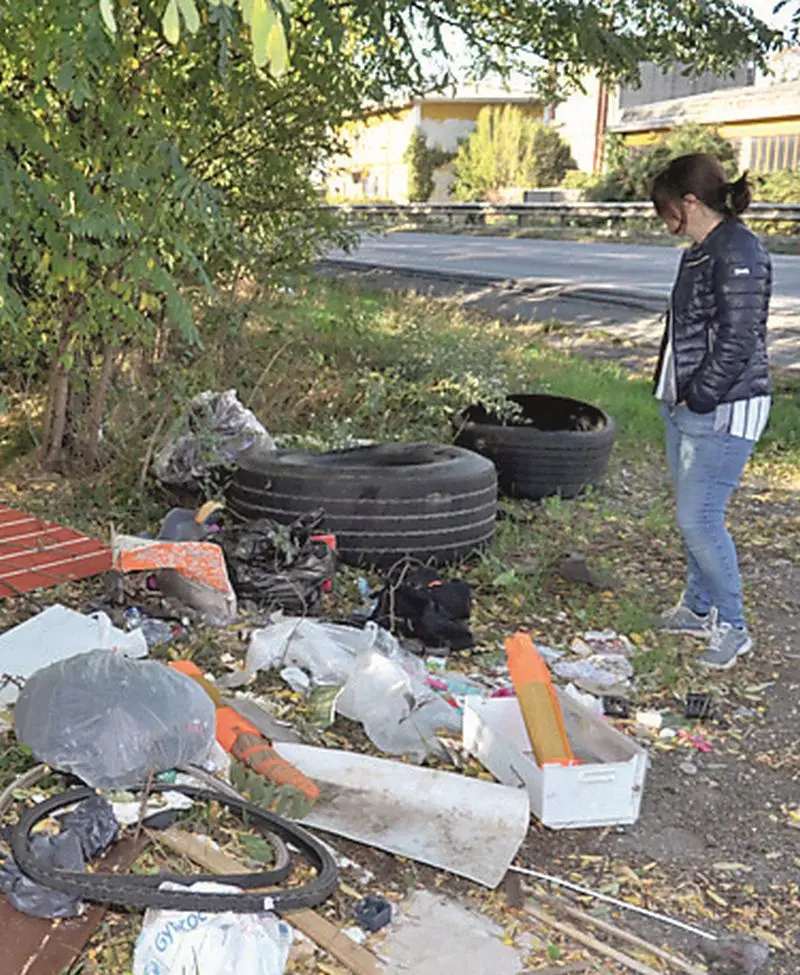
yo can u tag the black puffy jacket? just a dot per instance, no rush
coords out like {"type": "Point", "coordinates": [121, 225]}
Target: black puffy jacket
{"type": "Point", "coordinates": [718, 320]}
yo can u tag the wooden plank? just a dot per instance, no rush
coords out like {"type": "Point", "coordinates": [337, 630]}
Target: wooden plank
{"type": "Point", "coordinates": [36, 946]}
{"type": "Point", "coordinates": [357, 959]}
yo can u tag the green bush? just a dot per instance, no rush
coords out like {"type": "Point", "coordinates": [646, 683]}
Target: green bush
{"type": "Point", "coordinates": [630, 170]}
{"type": "Point", "coordinates": [576, 179]}
{"type": "Point", "coordinates": [509, 148]}
{"type": "Point", "coordinates": [783, 187]}
{"type": "Point", "coordinates": [423, 162]}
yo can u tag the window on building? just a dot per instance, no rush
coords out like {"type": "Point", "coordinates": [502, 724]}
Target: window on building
{"type": "Point", "coordinates": [772, 153]}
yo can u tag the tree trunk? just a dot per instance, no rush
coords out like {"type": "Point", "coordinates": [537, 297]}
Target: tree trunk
{"type": "Point", "coordinates": [98, 404]}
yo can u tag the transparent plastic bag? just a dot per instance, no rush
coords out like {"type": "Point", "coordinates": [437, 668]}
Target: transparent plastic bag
{"type": "Point", "coordinates": [214, 433]}
{"type": "Point", "coordinates": [191, 943]}
{"type": "Point", "coordinates": [384, 687]}
{"type": "Point", "coordinates": [112, 721]}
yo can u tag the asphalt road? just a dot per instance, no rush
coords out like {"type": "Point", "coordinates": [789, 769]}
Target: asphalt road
{"type": "Point", "coordinates": [625, 267]}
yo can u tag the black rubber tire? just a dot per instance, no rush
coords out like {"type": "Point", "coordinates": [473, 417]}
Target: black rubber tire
{"type": "Point", "coordinates": [546, 459]}
{"type": "Point", "coordinates": [142, 890]}
{"type": "Point", "coordinates": [435, 503]}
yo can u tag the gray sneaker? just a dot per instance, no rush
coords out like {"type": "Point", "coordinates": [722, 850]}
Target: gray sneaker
{"type": "Point", "coordinates": [681, 619]}
{"type": "Point", "coordinates": [727, 643]}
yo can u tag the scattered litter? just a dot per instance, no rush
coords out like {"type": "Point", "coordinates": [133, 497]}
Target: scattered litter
{"type": "Point", "coordinates": [600, 672]}
{"type": "Point", "coordinates": [194, 574]}
{"type": "Point", "coordinates": [605, 789]}
{"type": "Point", "coordinates": [56, 634]}
{"type": "Point", "coordinates": [157, 632]}
{"type": "Point", "coordinates": [213, 434]}
{"type": "Point", "coordinates": [603, 643]}
{"type": "Point", "coordinates": [467, 826]}
{"type": "Point", "coordinates": [128, 808]}
{"type": "Point", "coordinates": [297, 679]}
{"type": "Point", "coordinates": [688, 768]}
{"type": "Point", "coordinates": [616, 707]}
{"type": "Point", "coordinates": [84, 834]}
{"type": "Point", "coordinates": [651, 720]}
{"type": "Point", "coordinates": [433, 935]}
{"type": "Point", "coordinates": [575, 568]}
{"type": "Point", "coordinates": [667, 734]}
{"type": "Point", "coordinates": [548, 654]}
{"type": "Point", "coordinates": [173, 942]}
{"type": "Point", "coordinates": [355, 934]}
{"type": "Point", "coordinates": [373, 913]}
{"type": "Point", "coordinates": [589, 701]}
{"type": "Point", "coordinates": [699, 742]}
{"type": "Point", "coordinates": [698, 706]}
{"type": "Point", "coordinates": [538, 703]}
{"type": "Point", "coordinates": [280, 567]}
{"type": "Point", "coordinates": [112, 721]}
{"type": "Point", "coordinates": [382, 685]}
{"type": "Point", "coordinates": [418, 603]}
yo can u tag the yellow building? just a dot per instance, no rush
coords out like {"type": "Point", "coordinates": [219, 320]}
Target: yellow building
{"type": "Point", "coordinates": [373, 168]}
{"type": "Point", "coordinates": [762, 122]}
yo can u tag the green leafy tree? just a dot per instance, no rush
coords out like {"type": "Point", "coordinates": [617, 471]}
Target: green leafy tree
{"type": "Point", "coordinates": [630, 170]}
{"type": "Point", "coordinates": [423, 161]}
{"type": "Point", "coordinates": [509, 147]}
{"type": "Point", "coordinates": [153, 147]}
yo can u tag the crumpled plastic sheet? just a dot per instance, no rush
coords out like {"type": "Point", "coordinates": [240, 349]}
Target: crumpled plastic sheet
{"type": "Point", "coordinates": [112, 721]}
{"type": "Point", "coordinates": [85, 833]}
{"type": "Point", "coordinates": [383, 686]}
{"type": "Point", "coordinates": [214, 432]}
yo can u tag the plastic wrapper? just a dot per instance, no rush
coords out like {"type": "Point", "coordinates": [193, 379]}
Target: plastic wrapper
{"type": "Point", "coordinates": [278, 567]}
{"type": "Point", "coordinates": [214, 432]}
{"type": "Point", "coordinates": [84, 834]}
{"type": "Point", "coordinates": [384, 687]}
{"type": "Point", "coordinates": [600, 671]}
{"type": "Point", "coordinates": [112, 721]}
{"type": "Point", "coordinates": [191, 943]}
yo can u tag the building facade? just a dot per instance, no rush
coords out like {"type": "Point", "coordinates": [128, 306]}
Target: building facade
{"type": "Point", "coordinates": [374, 166]}
{"type": "Point", "coordinates": [759, 115]}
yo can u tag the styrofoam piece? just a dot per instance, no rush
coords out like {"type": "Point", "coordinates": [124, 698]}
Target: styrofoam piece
{"type": "Point", "coordinates": [605, 789]}
{"type": "Point", "coordinates": [56, 634]}
{"type": "Point", "coordinates": [466, 826]}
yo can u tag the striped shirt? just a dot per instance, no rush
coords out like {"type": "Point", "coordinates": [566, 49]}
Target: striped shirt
{"type": "Point", "coordinates": [745, 418]}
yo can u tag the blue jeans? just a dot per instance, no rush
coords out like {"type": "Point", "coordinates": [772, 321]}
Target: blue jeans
{"type": "Point", "coordinates": [705, 466]}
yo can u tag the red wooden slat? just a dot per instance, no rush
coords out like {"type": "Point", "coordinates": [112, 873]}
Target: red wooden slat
{"type": "Point", "coordinates": [36, 554]}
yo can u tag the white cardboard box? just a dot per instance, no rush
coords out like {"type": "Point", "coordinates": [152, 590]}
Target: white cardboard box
{"type": "Point", "coordinates": [604, 790]}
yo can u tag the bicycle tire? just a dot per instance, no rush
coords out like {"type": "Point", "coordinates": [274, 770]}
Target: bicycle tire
{"type": "Point", "coordinates": [143, 891]}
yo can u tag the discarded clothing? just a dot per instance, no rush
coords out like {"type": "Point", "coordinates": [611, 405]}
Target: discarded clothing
{"type": "Point", "coordinates": [420, 604]}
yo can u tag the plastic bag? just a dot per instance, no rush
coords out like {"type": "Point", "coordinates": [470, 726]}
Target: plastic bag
{"type": "Point", "coordinates": [191, 943]}
{"type": "Point", "coordinates": [400, 713]}
{"type": "Point", "coordinates": [601, 671]}
{"type": "Point", "coordinates": [112, 721]}
{"type": "Point", "coordinates": [215, 431]}
{"type": "Point", "coordinates": [384, 687]}
{"type": "Point", "coordinates": [84, 834]}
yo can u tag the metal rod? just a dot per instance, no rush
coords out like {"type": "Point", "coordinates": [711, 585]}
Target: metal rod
{"type": "Point", "coordinates": [624, 905]}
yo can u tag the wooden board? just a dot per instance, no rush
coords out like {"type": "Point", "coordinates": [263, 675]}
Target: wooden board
{"type": "Point", "coordinates": [36, 946]}
{"type": "Point", "coordinates": [355, 958]}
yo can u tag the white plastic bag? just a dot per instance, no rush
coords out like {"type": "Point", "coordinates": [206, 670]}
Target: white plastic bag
{"type": "Point", "coordinates": [384, 687]}
{"type": "Point", "coordinates": [191, 943]}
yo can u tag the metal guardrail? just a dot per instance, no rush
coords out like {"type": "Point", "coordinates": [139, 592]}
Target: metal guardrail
{"type": "Point", "coordinates": [527, 214]}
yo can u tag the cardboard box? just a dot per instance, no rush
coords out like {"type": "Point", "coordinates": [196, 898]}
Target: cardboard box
{"type": "Point", "coordinates": [604, 790]}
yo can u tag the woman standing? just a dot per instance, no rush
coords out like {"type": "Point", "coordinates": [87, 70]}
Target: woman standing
{"type": "Point", "coordinates": [714, 385]}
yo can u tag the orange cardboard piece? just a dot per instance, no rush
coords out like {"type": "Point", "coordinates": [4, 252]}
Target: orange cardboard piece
{"type": "Point", "coordinates": [202, 562]}
{"type": "Point", "coordinates": [538, 703]}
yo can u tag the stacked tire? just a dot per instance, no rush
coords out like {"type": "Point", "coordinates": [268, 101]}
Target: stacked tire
{"type": "Point", "coordinates": [430, 502]}
{"type": "Point", "coordinates": [550, 445]}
